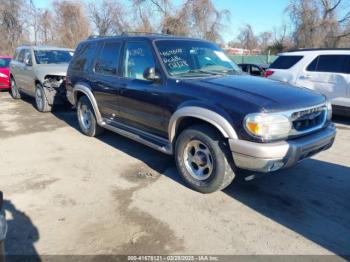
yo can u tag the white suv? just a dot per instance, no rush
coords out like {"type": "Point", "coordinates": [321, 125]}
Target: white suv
{"type": "Point", "coordinates": [324, 70]}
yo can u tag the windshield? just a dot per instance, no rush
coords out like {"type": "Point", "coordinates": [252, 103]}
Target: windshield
{"type": "Point", "coordinates": [53, 56]}
{"type": "Point", "coordinates": [5, 62]}
{"type": "Point", "coordinates": [194, 58]}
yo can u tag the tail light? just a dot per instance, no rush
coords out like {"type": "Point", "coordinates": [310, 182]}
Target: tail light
{"type": "Point", "coordinates": [268, 73]}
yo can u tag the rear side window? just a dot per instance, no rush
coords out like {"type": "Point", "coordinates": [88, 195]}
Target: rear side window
{"type": "Point", "coordinates": [285, 62]}
{"type": "Point", "coordinates": [20, 57]}
{"type": "Point", "coordinates": [108, 60]}
{"type": "Point", "coordinates": [331, 64]}
{"type": "Point", "coordinates": [83, 57]}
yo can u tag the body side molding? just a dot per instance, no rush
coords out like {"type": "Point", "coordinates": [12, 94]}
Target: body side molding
{"type": "Point", "coordinates": [207, 115]}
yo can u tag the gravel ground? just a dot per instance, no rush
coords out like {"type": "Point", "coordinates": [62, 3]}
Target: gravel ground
{"type": "Point", "coordinates": [69, 194]}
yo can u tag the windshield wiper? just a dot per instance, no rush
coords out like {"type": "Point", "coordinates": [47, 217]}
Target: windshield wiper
{"type": "Point", "coordinates": [205, 72]}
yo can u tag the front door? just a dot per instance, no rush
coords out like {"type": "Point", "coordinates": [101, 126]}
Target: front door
{"type": "Point", "coordinates": [106, 79]}
{"type": "Point", "coordinates": [141, 102]}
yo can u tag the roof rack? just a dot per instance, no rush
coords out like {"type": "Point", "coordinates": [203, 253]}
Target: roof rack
{"type": "Point", "coordinates": [317, 49]}
{"type": "Point", "coordinates": [129, 34]}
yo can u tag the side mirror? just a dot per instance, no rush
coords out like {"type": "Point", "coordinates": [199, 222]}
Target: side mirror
{"type": "Point", "coordinates": [28, 62]}
{"type": "Point", "coordinates": [151, 74]}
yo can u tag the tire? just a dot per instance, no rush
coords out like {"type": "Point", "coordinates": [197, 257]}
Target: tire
{"type": "Point", "coordinates": [87, 119]}
{"type": "Point", "coordinates": [194, 164]}
{"type": "Point", "coordinates": [42, 105]}
{"type": "Point", "coordinates": [14, 90]}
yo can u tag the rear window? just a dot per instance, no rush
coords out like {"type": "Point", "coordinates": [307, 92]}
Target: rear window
{"type": "Point", "coordinates": [285, 62]}
{"type": "Point", "coordinates": [83, 57]}
{"type": "Point", "coordinates": [331, 64]}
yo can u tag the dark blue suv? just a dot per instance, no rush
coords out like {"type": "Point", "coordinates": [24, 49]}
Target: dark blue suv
{"type": "Point", "coordinates": [185, 97]}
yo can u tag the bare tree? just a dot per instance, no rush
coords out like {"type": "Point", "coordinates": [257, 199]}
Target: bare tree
{"type": "Point", "coordinates": [108, 17]}
{"type": "Point", "coordinates": [265, 40]}
{"type": "Point", "coordinates": [318, 23]}
{"type": "Point", "coordinates": [247, 38]}
{"type": "Point", "coordinates": [11, 24]}
{"type": "Point", "coordinates": [72, 23]}
{"type": "Point", "coordinates": [46, 33]}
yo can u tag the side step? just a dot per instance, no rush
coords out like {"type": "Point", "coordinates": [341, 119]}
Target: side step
{"type": "Point", "coordinates": [150, 140]}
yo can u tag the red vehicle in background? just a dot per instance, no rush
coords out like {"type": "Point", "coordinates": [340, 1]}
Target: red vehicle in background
{"type": "Point", "coordinates": [5, 72]}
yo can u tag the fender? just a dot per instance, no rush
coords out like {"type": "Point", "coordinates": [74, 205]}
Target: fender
{"type": "Point", "coordinates": [87, 91]}
{"type": "Point", "coordinates": [207, 115]}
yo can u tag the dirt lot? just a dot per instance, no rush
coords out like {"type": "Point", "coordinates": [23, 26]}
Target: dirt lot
{"type": "Point", "coordinates": [70, 194]}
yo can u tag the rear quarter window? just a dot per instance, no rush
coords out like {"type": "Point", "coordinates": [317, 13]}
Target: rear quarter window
{"type": "Point", "coordinates": [83, 57]}
{"type": "Point", "coordinates": [285, 62]}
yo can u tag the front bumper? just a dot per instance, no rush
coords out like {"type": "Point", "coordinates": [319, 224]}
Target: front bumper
{"type": "Point", "coordinates": [268, 157]}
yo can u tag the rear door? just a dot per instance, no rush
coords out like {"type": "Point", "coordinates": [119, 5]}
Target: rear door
{"type": "Point", "coordinates": [16, 68]}
{"type": "Point", "coordinates": [106, 80]}
{"type": "Point", "coordinates": [329, 75]}
{"type": "Point", "coordinates": [28, 72]}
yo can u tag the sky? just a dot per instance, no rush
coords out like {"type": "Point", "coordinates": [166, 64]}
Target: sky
{"type": "Point", "coordinates": [263, 15]}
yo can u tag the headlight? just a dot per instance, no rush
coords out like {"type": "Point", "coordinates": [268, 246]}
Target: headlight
{"type": "Point", "coordinates": [268, 126]}
{"type": "Point", "coordinates": [3, 75]}
{"type": "Point", "coordinates": [329, 110]}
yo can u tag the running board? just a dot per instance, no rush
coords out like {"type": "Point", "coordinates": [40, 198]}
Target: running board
{"type": "Point", "coordinates": [152, 141]}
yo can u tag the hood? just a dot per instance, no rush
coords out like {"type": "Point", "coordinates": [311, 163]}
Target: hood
{"type": "Point", "coordinates": [267, 94]}
{"type": "Point", "coordinates": [52, 69]}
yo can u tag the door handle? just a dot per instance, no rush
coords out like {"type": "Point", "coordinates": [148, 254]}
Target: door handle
{"type": "Point", "coordinates": [305, 77]}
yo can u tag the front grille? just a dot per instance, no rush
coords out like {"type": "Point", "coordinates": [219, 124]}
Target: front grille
{"type": "Point", "coordinates": [309, 120]}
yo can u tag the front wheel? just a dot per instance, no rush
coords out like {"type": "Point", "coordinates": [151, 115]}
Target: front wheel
{"type": "Point", "coordinates": [41, 101]}
{"type": "Point", "coordinates": [87, 119]}
{"type": "Point", "coordinates": [203, 160]}
{"type": "Point", "coordinates": [14, 89]}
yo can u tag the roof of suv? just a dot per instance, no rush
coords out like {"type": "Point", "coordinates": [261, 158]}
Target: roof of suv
{"type": "Point", "coordinates": [43, 47]}
{"type": "Point", "coordinates": [317, 51]}
{"type": "Point", "coordinates": [146, 36]}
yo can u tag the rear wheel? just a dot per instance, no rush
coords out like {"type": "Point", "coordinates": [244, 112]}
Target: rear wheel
{"type": "Point", "coordinates": [87, 119]}
{"type": "Point", "coordinates": [14, 89]}
{"type": "Point", "coordinates": [41, 101]}
{"type": "Point", "coordinates": [203, 159]}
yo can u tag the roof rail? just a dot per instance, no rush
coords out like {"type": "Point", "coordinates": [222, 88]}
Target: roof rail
{"type": "Point", "coordinates": [128, 34]}
{"type": "Point", "coordinates": [144, 33]}
{"type": "Point", "coordinates": [317, 49]}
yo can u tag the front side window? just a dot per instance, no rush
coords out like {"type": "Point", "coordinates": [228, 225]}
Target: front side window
{"type": "Point", "coordinates": [331, 64]}
{"type": "Point", "coordinates": [53, 56]}
{"type": "Point", "coordinates": [138, 57]}
{"type": "Point", "coordinates": [27, 57]}
{"type": "Point", "coordinates": [194, 58]}
{"type": "Point", "coordinates": [285, 62]}
{"type": "Point", "coordinates": [108, 60]}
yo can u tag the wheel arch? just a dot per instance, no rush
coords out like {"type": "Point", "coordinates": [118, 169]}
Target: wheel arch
{"type": "Point", "coordinates": [199, 114]}
{"type": "Point", "coordinates": [81, 89]}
